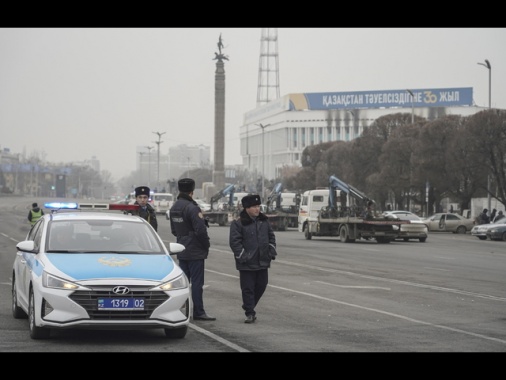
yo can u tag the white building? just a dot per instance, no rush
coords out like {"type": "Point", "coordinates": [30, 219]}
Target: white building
{"type": "Point", "coordinates": [274, 135]}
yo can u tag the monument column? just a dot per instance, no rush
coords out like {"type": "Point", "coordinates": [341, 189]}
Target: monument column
{"type": "Point", "coordinates": [219, 118]}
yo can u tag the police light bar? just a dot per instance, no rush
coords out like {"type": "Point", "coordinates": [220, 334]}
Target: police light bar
{"type": "Point", "coordinates": [89, 206]}
{"type": "Point", "coordinates": [108, 206]}
{"type": "Point", "coordinates": [116, 206]}
{"type": "Point", "coordinates": [61, 205]}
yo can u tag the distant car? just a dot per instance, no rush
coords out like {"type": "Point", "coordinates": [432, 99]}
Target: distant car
{"type": "Point", "coordinates": [204, 206]}
{"type": "Point", "coordinates": [497, 232]}
{"type": "Point", "coordinates": [480, 230]}
{"type": "Point", "coordinates": [162, 202]}
{"type": "Point", "coordinates": [416, 229]}
{"type": "Point", "coordinates": [448, 222]}
{"type": "Point", "coordinates": [98, 270]}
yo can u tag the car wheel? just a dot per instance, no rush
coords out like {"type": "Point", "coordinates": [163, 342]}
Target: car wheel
{"type": "Point", "coordinates": [504, 236]}
{"type": "Point", "coordinates": [178, 333]}
{"type": "Point", "coordinates": [461, 230]}
{"type": "Point", "coordinates": [17, 312]}
{"type": "Point", "coordinates": [307, 234]}
{"type": "Point", "coordinates": [405, 239]}
{"type": "Point", "coordinates": [284, 223]}
{"type": "Point", "coordinates": [482, 237]}
{"type": "Point", "coordinates": [344, 236]}
{"type": "Point", "coordinates": [36, 332]}
{"type": "Point", "coordinates": [422, 240]}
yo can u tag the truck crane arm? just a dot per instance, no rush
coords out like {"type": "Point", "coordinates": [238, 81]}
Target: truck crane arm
{"type": "Point", "coordinates": [229, 190]}
{"type": "Point", "coordinates": [275, 193]}
{"type": "Point", "coordinates": [335, 183]}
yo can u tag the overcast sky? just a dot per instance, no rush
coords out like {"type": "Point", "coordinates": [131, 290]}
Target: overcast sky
{"type": "Point", "coordinates": [73, 93]}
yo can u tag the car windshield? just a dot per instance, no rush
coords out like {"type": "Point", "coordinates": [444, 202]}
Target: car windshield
{"type": "Point", "coordinates": [101, 236]}
{"type": "Point", "coordinates": [403, 216]}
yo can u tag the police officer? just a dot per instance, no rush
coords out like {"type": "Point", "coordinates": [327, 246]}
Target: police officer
{"type": "Point", "coordinates": [145, 211]}
{"type": "Point", "coordinates": [35, 213]}
{"type": "Point", "coordinates": [188, 225]}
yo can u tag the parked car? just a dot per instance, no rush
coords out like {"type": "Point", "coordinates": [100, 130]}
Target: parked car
{"type": "Point", "coordinates": [162, 202]}
{"type": "Point", "coordinates": [98, 270]}
{"type": "Point", "coordinates": [416, 229]}
{"type": "Point", "coordinates": [497, 232]}
{"type": "Point", "coordinates": [480, 230]}
{"type": "Point", "coordinates": [448, 222]}
{"type": "Point", "coordinates": [204, 206]}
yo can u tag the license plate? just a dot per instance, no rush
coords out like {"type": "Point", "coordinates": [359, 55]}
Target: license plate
{"type": "Point", "coordinates": [121, 303]}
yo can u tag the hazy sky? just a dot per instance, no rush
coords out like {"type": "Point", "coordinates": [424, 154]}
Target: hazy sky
{"type": "Point", "coordinates": [72, 93]}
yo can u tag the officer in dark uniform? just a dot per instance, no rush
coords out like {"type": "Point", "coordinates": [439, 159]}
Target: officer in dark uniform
{"type": "Point", "coordinates": [145, 211]}
{"type": "Point", "coordinates": [188, 225]}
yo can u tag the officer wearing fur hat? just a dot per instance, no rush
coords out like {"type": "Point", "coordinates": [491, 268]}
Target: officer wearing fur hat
{"type": "Point", "coordinates": [145, 211]}
{"type": "Point", "coordinates": [188, 225]}
{"type": "Point", "coordinates": [253, 244]}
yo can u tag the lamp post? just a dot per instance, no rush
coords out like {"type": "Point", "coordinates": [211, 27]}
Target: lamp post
{"type": "Point", "coordinates": [489, 67]}
{"type": "Point", "coordinates": [263, 155]}
{"type": "Point", "coordinates": [140, 165]}
{"type": "Point", "coordinates": [160, 134]}
{"type": "Point", "coordinates": [412, 106]}
{"type": "Point", "coordinates": [149, 163]}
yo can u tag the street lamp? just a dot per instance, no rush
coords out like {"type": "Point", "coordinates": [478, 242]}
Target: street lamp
{"type": "Point", "coordinates": [160, 134]}
{"type": "Point", "coordinates": [140, 164]}
{"type": "Point", "coordinates": [149, 163]}
{"type": "Point", "coordinates": [263, 155]}
{"type": "Point", "coordinates": [489, 67]}
{"type": "Point", "coordinates": [412, 106]}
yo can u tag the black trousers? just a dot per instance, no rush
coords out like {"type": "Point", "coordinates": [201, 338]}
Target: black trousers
{"type": "Point", "coordinates": [253, 285]}
{"type": "Point", "coordinates": [194, 270]}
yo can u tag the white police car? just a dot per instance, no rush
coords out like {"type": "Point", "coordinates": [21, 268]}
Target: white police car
{"type": "Point", "coordinates": [98, 270]}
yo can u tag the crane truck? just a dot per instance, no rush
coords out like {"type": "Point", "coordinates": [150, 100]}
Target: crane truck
{"type": "Point", "coordinates": [347, 220]}
{"type": "Point", "coordinates": [222, 213]}
{"type": "Point", "coordinates": [282, 208]}
{"type": "Point", "coordinates": [220, 217]}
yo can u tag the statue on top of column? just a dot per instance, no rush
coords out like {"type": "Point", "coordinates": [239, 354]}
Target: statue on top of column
{"type": "Point", "coordinates": [220, 56]}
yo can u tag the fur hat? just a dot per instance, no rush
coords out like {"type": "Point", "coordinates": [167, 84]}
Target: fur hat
{"type": "Point", "coordinates": [186, 185]}
{"type": "Point", "coordinates": [251, 200]}
{"type": "Point", "coordinates": [142, 190]}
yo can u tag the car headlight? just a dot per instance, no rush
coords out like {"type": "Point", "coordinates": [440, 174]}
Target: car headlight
{"type": "Point", "coordinates": [180, 282]}
{"type": "Point", "coordinates": [50, 281]}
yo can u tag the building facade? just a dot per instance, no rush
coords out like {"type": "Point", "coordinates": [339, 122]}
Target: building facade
{"type": "Point", "coordinates": [274, 135]}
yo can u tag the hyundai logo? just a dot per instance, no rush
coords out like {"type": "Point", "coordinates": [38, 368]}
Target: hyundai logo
{"type": "Point", "coordinates": [120, 290]}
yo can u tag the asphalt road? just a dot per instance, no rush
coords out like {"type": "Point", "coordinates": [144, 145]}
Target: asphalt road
{"type": "Point", "coordinates": [444, 295]}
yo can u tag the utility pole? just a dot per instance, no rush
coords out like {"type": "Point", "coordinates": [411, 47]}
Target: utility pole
{"type": "Point", "coordinates": [160, 134]}
{"type": "Point", "coordinates": [489, 67]}
{"type": "Point", "coordinates": [149, 163]}
{"type": "Point", "coordinates": [263, 156]}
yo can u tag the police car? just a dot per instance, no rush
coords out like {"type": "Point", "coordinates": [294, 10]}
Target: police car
{"type": "Point", "coordinates": [93, 268]}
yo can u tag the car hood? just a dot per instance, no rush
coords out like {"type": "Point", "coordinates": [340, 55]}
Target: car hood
{"type": "Point", "coordinates": [85, 266]}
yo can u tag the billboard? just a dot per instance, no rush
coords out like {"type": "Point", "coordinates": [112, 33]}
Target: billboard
{"type": "Point", "coordinates": [435, 97]}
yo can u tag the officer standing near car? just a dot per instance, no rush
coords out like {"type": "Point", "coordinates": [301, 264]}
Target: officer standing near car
{"type": "Point", "coordinates": [145, 211]}
{"type": "Point", "coordinates": [35, 213]}
{"type": "Point", "coordinates": [188, 225]}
